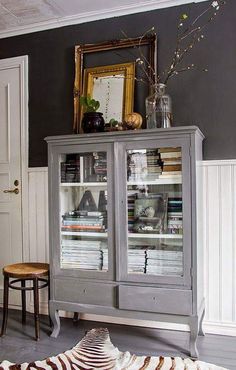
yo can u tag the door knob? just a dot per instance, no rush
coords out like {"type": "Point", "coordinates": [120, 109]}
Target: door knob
{"type": "Point", "coordinates": [16, 191]}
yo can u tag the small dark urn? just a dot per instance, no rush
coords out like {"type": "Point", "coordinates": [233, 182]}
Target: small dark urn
{"type": "Point", "coordinates": [93, 122]}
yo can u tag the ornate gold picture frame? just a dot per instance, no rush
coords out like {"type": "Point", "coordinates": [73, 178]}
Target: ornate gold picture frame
{"type": "Point", "coordinates": [113, 87]}
{"type": "Point", "coordinates": [82, 50]}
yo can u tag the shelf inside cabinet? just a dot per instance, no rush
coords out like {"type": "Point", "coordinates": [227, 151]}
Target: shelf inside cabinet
{"type": "Point", "coordinates": [87, 184]}
{"type": "Point", "coordinates": [78, 233]}
{"type": "Point", "coordinates": [164, 181]}
{"type": "Point", "coordinates": [155, 236]}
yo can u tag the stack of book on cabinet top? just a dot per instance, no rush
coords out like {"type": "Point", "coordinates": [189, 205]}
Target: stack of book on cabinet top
{"type": "Point", "coordinates": [85, 221]}
{"type": "Point", "coordinates": [171, 159]}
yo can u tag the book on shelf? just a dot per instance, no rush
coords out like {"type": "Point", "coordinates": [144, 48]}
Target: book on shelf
{"type": "Point", "coordinates": [172, 168]}
{"type": "Point", "coordinates": [83, 222]}
{"type": "Point", "coordinates": [177, 154]}
{"type": "Point", "coordinates": [171, 161]}
{"type": "Point", "coordinates": [170, 255]}
{"type": "Point", "coordinates": [87, 228]}
{"type": "Point", "coordinates": [164, 270]}
{"type": "Point", "coordinates": [174, 175]}
{"type": "Point", "coordinates": [169, 149]}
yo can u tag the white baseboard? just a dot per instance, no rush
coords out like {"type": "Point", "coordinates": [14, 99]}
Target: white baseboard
{"type": "Point", "coordinates": [220, 328]}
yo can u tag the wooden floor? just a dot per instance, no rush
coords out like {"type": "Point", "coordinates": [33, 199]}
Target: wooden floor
{"type": "Point", "coordinates": [19, 345]}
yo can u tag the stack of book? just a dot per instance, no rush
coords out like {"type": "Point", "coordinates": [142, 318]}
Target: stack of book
{"type": "Point", "coordinates": [153, 165]}
{"type": "Point", "coordinates": [132, 195]}
{"type": "Point", "coordinates": [171, 162]}
{"type": "Point", "coordinates": [175, 215]}
{"type": "Point", "coordinates": [136, 260]}
{"type": "Point", "coordinates": [144, 166]}
{"type": "Point", "coordinates": [83, 221]}
{"type": "Point", "coordinates": [100, 165]}
{"type": "Point", "coordinates": [164, 262]}
{"type": "Point", "coordinates": [81, 254]}
{"type": "Point", "coordinates": [104, 259]}
{"type": "Point", "coordinates": [70, 170]}
{"type": "Point", "coordinates": [175, 222]}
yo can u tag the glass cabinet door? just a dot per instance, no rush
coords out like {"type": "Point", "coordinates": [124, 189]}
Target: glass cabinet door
{"type": "Point", "coordinates": [84, 225]}
{"type": "Point", "coordinates": [155, 213]}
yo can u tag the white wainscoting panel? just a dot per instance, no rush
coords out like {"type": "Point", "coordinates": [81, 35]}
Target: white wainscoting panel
{"type": "Point", "coordinates": [38, 223]}
{"type": "Point", "coordinates": [219, 228]}
{"type": "Point", "coordinates": [219, 215]}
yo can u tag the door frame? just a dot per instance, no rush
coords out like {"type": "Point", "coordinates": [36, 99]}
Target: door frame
{"type": "Point", "coordinates": [21, 63]}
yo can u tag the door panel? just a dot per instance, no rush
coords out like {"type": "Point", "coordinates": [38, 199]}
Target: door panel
{"type": "Point", "coordinates": [10, 170]}
{"type": "Point", "coordinates": [157, 214]}
{"type": "Point", "coordinates": [83, 191]}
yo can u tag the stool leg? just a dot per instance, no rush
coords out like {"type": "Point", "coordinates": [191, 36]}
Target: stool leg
{"type": "Point", "coordinates": [5, 305]}
{"type": "Point", "coordinates": [23, 300]}
{"type": "Point", "coordinates": [36, 307]}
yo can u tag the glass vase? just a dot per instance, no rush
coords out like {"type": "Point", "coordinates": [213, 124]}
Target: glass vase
{"type": "Point", "coordinates": [159, 108]}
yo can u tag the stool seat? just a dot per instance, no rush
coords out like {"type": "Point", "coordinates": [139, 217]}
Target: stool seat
{"type": "Point", "coordinates": [26, 270]}
{"type": "Point", "coordinates": [37, 276]}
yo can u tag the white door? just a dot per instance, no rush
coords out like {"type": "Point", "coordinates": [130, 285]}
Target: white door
{"type": "Point", "coordinates": [11, 250]}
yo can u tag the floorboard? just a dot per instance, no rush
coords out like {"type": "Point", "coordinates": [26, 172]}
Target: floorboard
{"type": "Point", "coordinates": [19, 345]}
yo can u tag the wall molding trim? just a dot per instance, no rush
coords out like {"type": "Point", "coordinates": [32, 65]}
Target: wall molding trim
{"type": "Point", "coordinates": [219, 162]}
{"type": "Point", "coordinates": [143, 6]}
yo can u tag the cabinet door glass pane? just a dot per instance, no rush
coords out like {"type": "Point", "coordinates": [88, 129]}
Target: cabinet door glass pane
{"type": "Point", "coordinates": [155, 211]}
{"type": "Point", "coordinates": [83, 208]}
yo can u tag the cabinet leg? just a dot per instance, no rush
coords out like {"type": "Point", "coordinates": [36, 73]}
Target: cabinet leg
{"type": "Point", "coordinates": [201, 331]}
{"type": "Point", "coordinates": [194, 328]}
{"type": "Point", "coordinates": [54, 315]}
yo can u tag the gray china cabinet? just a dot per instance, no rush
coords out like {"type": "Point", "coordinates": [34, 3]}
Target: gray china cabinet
{"type": "Point", "coordinates": [123, 226]}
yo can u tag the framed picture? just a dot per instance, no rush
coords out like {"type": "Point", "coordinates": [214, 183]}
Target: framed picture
{"type": "Point", "coordinates": [150, 213]}
{"type": "Point", "coordinates": [108, 51]}
{"type": "Point", "coordinates": [113, 87]}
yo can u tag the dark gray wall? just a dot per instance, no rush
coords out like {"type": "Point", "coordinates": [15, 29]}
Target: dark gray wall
{"type": "Point", "coordinates": [203, 99]}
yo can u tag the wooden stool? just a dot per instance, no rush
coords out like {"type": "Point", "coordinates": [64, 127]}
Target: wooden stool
{"type": "Point", "coordinates": [22, 272]}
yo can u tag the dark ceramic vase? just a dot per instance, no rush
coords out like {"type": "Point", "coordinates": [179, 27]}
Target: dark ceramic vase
{"type": "Point", "coordinates": [93, 122]}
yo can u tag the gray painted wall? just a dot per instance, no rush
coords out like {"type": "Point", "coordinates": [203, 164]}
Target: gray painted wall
{"type": "Point", "coordinates": [203, 99]}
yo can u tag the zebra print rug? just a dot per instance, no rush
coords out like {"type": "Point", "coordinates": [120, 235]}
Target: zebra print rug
{"type": "Point", "coordinates": [95, 351]}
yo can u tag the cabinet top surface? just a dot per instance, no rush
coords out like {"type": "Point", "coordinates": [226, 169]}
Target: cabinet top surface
{"type": "Point", "coordinates": [102, 136]}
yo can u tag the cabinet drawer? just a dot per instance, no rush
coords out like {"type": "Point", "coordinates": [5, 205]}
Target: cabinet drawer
{"type": "Point", "coordinates": [72, 290]}
{"type": "Point", "coordinates": [157, 300]}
